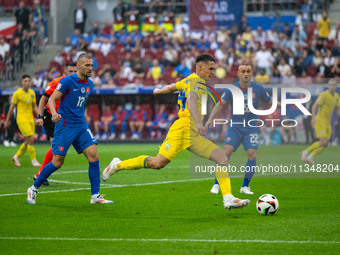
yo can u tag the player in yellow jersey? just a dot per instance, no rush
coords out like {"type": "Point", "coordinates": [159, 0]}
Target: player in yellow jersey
{"type": "Point", "coordinates": [186, 133]}
{"type": "Point", "coordinates": [25, 103]}
{"type": "Point", "coordinates": [326, 102]}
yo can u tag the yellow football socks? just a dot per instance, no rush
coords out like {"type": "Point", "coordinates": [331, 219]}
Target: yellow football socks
{"type": "Point", "coordinates": [223, 179]}
{"type": "Point", "coordinates": [22, 150]}
{"type": "Point", "coordinates": [313, 147]}
{"type": "Point", "coordinates": [31, 151]}
{"type": "Point", "coordinates": [317, 151]}
{"type": "Point", "coordinates": [134, 163]}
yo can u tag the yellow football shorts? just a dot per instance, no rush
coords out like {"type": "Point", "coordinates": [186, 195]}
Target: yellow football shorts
{"type": "Point", "coordinates": [26, 128]}
{"type": "Point", "coordinates": [323, 130]}
{"type": "Point", "coordinates": [181, 137]}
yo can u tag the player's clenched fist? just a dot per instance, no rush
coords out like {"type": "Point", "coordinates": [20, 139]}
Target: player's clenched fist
{"type": "Point", "coordinates": [56, 118]}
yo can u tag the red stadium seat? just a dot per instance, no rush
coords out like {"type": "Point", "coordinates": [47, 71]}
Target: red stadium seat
{"type": "Point", "coordinates": [93, 110]}
{"type": "Point", "coordinates": [149, 82]}
{"type": "Point", "coordinates": [312, 71]}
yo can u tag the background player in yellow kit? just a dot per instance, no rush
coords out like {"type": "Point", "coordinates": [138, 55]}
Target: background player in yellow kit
{"type": "Point", "coordinates": [186, 133]}
{"type": "Point", "coordinates": [326, 102]}
{"type": "Point", "coordinates": [25, 103]}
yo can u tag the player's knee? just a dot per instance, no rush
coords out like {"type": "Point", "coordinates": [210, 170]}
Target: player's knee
{"type": "Point", "coordinates": [324, 143]}
{"type": "Point", "coordinates": [58, 162]}
{"type": "Point", "coordinates": [252, 155]}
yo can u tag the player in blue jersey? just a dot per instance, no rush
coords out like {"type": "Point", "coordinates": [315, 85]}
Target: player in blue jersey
{"type": "Point", "coordinates": [71, 128]}
{"type": "Point", "coordinates": [238, 129]}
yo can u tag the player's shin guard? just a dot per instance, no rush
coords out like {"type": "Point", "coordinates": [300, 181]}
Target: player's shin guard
{"type": "Point", "coordinates": [313, 147]}
{"type": "Point", "coordinates": [31, 151]}
{"type": "Point", "coordinates": [223, 179]}
{"type": "Point", "coordinates": [47, 159]}
{"type": "Point", "coordinates": [134, 163]}
{"type": "Point", "coordinates": [45, 173]}
{"type": "Point", "coordinates": [250, 170]}
{"type": "Point", "coordinates": [94, 176]}
{"type": "Point", "coordinates": [22, 150]}
{"type": "Point", "coordinates": [317, 151]}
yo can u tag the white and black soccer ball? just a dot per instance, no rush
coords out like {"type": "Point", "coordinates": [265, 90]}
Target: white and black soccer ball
{"type": "Point", "coordinates": [267, 204]}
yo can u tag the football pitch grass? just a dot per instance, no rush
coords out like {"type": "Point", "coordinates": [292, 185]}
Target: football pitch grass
{"type": "Point", "coordinates": [165, 211]}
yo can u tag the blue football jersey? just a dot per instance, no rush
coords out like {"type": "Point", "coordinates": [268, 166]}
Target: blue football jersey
{"type": "Point", "coordinates": [75, 93]}
{"type": "Point", "coordinates": [258, 93]}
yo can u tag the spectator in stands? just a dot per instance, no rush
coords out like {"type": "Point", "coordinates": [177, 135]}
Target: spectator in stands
{"type": "Point", "coordinates": [37, 81]}
{"type": "Point", "coordinates": [120, 118]}
{"type": "Point", "coordinates": [107, 68]}
{"type": "Point", "coordinates": [107, 80]}
{"type": "Point", "coordinates": [139, 73]}
{"type": "Point", "coordinates": [22, 15]}
{"type": "Point", "coordinates": [247, 35]}
{"type": "Point", "coordinates": [138, 120]}
{"type": "Point", "coordinates": [132, 15]}
{"type": "Point", "coordinates": [299, 67]}
{"type": "Point", "coordinates": [276, 77]}
{"type": "Point", "coordinates": [283, 67]}
{"type": "Point", "coordinates": [150, 18]}
{"type": "Point", "coordinates": [4, 47]}
{"type": "Point", "coordinates": [287, 31]}
{"type": "Point", "coordinates": [335, 33]}
{"type": "Point", "coordinates": [95, 28]}
{"type": "Point", "coordinates": [260, 36]}
{"type": "Point", "coordinates": [262, 77]}
{"type": "Point", "coordinates": [264, 59]}
{"type": "Point", "coordinates": [181, 70]}
{"type": "Point", "coordinates": [329, 58]}
{"type": "Point", "coordinates": [107, 27]}
{"type": "Point", "coordinates": [335, 69]}
{"type": "Point", "coordinates": [17, 48]}
{"type": "Point", "coordinates": [75, 37]}
{"type": "Point", "coordinates": [118, 13]}
{"type": "Point", "coordinates": [39, 16]}
{"type": "Point", "coordinates": [196, 34]}
{"type": "Point", "coordinates": [95, 45]}
{"type": "Point", "coordinates": [305, 79]}
{"type": "Point", "coordinates": [324, 26]}
{"type": "Point", "coordinates": [82, 45]}
{"type": "Point", "coordinates": [222, 35]}
{"type": "Point", "coordinates": [189, 59]}
{"type": "Point", "coordinates": [125, 72]}
{"type": "Point", "coordinates": [272, 35]}
{"type": "Point", "coordinates": [289, 79]}
{"type": "Point", "coordinates": [317, 58]}
{"type": "Point", "coordinates": [168, 17]}
{"type": "Point", "coordinates": [181, 29]}
{"type": "Point", "coordinates": [59, 57]}
{"type": "Point", "coordinates": [242, 53]}
{"type": "Point", "coordinates": [156, 71]}
{"type": "Point", "coordinates": [233, 33]}
{"type": "Point", "coordinates": [221, 53]}
{"type": "Point", "coordinates": [160, 123]}
{"type": "Point", "coordinates": [96, 79]}
{"type": "Point", "coordinates": [322, 70]}
{"type": "Point", "coordinates": [80, 15]}
{"type": "Point", "coordinates": [67, 46]}
{"type": "Point", "coordinates": [171, 55]}
{"type": "Point", "coordinates": [106, 47]}
{"type": "Point", "coordinates": [243, 25]}
{"type": "Point", "coordinates": [19, 31]}
{"type": "Point", "coordinates": [104, 123]}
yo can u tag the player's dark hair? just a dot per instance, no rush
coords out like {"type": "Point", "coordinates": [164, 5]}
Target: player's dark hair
{"type": "Point", "coordinates": [205, 57]}
{"type": "Point", "coordinates": [25, 76]}
{"type": "Point", "coordinates": [67, 64]}
{"type": "Point", "coordinates": [84, 55]}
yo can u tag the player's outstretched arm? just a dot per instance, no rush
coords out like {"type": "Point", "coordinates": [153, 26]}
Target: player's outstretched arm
{"type": "Point", "coordinates": [9, 115]}
{"type": "Point", "coordinates": [51, 102]}
{"type": "Point", "coordinates": [217, 108]}
{"type": "Point", "coordinates": [165, 90]}
{"type": "Point", "coordinates": [193, 109]}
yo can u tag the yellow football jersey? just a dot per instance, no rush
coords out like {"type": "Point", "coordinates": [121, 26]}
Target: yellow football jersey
{"type": "Point", "coordinates": [191, 84]}
{"type": "Point", "coordinates": [327, 103]}
{"type": "Point", "coordinates": [24, 103]}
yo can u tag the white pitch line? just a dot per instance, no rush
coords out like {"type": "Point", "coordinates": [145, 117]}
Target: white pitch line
{"type": "Point", "coordinates": [110, 186]}
{"type": "Point", "coordinates": [171, 240]}
{"type": "Point", "coordinates": [70, 172]}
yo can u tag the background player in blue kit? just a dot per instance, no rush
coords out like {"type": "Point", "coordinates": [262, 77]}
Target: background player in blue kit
{"type": "Point", "coordinates": [239, 133]}
{"type": "Point", "coordinates": [71, 128]}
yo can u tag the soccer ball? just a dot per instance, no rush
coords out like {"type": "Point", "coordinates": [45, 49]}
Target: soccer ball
{"type": "Point", "coordinates": [267, 204]}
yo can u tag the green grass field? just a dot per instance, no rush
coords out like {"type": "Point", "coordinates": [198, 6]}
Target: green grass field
{"type": "Point", "coordinates": [165, 212]}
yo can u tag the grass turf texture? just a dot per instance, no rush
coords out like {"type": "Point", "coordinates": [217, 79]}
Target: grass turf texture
{"type": "Point", "coordinates": [185, 213]}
